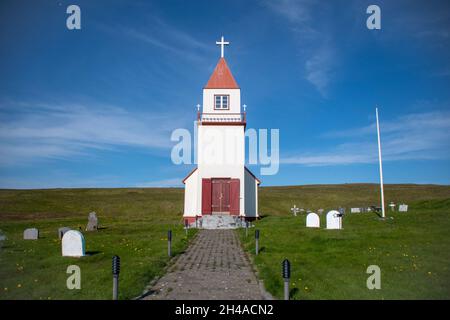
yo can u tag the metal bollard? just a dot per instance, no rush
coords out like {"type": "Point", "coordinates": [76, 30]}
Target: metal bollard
{"type": "Point", "coordinates": [286, 272]}
{"type": "Point", "coordinates": [115, 272]}
{"type": "Point", "coordinates": [246, 229]}
{"type": "Point", "coordinates": [169, 243]}
{"type": "Point", "coordinates": [256, 242]}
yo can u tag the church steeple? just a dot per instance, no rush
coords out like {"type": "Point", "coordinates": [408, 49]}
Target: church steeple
{"type": "Point", "coordinates": [221, 96]}
{"type": "Point", "coordinates": [222, 78]}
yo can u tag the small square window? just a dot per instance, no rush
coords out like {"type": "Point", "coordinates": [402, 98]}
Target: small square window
{"type": "Point", "coordinates": [221, 102]}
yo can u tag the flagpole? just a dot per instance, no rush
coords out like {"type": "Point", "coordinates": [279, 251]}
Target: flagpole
{"type": "Point", "coordinates": [383, 215]}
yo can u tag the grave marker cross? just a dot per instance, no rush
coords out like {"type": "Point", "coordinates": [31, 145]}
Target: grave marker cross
{"type": "Point", "coordinates": [295, 210]}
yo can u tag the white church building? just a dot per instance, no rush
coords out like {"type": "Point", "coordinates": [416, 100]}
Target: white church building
{"type": "Point", "coordinates": [221, 184]}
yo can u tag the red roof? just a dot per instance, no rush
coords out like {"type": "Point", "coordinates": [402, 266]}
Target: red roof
{"type": "Point", "coordinates": [222, 77]}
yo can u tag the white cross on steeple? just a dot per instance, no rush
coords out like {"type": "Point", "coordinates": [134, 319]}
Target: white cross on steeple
{"type": "Point", "coordinates": [222, 44]}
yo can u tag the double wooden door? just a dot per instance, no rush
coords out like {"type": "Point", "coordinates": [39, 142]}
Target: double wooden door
{"type": "Point", "coordinates": [220, 196]}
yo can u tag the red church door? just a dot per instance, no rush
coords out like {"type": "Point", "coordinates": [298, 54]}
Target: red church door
{"type": "Point", "coordinates": [220, 195]}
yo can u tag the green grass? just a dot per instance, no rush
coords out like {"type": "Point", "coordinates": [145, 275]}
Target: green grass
{"type": "Point", "coordinates": [134, 226]}
{"type": "Point", "coordinates": [412, 249]}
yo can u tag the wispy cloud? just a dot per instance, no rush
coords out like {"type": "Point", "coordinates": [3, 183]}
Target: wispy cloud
{"type": "Point", "coordinates": [165, 183]}
{"type": "Point", "coordinates": [319, 69]}
{"type": "Point", "coordinates": [420, 136]}
{"type": "Point", "coordinates": [316, 48]}
{"type": "Point", "coordinates": [53, 179]}
{"type": "Point", "coordinates": [295, 11]}
{"type": "Point", "coordinates": [34, 131]}
{"type": "Point", "coordinates": [171, 39]}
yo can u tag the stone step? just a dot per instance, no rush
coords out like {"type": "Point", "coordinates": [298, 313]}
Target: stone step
{"type": "Point", "coordinates": [219, 222]}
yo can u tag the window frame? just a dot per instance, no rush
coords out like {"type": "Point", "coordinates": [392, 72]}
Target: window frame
{"type": "Point", "coordinates": [221, 101]}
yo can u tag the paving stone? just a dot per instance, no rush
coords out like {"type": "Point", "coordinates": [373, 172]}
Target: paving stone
{"type": "Point", "coordinates": [213, 267]}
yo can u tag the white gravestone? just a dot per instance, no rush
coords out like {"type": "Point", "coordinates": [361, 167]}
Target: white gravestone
{"type": "Point", "coordinates": [403, 208]}
{"type": "Point", "coordinates": [31, 234]}
{"type": "Point", "coordinates": [312, 220]}
{"type": "Point", "coordinates": [320, 211]}
{"type": "Point", "coordinates": [73, 244]}
{"type": "Point", "coordinates": [334, 220]}
{"type": "Point", "coordinates": [355, 210]}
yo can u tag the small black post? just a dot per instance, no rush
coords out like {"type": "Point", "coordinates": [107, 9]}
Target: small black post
{"type": "Point", "coordinates": [246, 229]}
{"type": "Point", "coordinates": [256, 242]}
{"type": "Point", "coordinates": [169, 243]}
{"type": "Point", "coordinates": [286, 272]}
{"type": "Point", "coordinates": [115, 272]}
{"type": "Point", "coordinates": [186, 226]}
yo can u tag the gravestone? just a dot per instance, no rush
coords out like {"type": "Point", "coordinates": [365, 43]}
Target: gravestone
{"type": "Point", "coordinates": [61, 232]}
{"type": "Point", "coordinates": [312, 220]}
{"type": "Point", "coordinates": [355, 210]}
{"type": "Point", "coordinates": [73, 244]}
{"type": "Point", "coordinates": [320, 211]}
{"type": "Point", "coordinates": [31, 234]}
{"type": "Point", "coordinates": [295, 210]}
{"type": "Point", "coordinates": [2, 238]}
{"type": "Point", "coordinates": [403, 208]}
{"type": "Point", "coordinates": [92, 222]}
{"type": "Point", "coordinates": [392, 206]}
{"type": "Point", "coordinates": [334, 220]}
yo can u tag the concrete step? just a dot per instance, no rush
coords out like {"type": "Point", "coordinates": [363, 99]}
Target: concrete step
{"type": "Point", "coordinates": [219, 222]}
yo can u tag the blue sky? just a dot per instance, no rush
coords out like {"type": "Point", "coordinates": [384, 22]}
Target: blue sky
{"type": "Point", "coordinates": [96, 107]}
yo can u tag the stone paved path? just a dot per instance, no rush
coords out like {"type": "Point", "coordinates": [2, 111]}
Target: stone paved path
{"type": "Point", "coordinates": [213, 267]}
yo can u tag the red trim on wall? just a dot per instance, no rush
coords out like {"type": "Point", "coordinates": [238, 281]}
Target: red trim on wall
{"type": "Point", "coordinates": [206, 196]}
{"type": "Point", "coordinates": [235, 196]}
{"type": "Point", "coordinates": [189, 220]}
{"type": "Point", "coordinates": [222, 123]}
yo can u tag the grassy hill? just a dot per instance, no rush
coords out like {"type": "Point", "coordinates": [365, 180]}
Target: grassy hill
{"type": "Point", "coordinates": [411, 249]}
{"type": "Point", "coordinates": [134, 226]}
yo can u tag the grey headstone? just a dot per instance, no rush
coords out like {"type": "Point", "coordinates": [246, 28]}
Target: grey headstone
{"type": "Point", "coordinates": [403, 208]}
{"type": "Point", "coordinates": [61, 232]}
{"type": "Point", "coordinates": [31, 234]}
{"type": "Point", "coordinates": [92, 222]}
{"type": "Point", "coordinates": [2, 236]}
{"type": "Point", "coordinates": [320, 211]}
